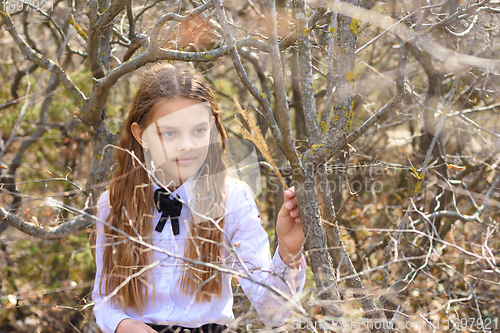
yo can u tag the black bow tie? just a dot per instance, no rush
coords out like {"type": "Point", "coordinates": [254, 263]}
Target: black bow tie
{"type": "Point", "coordinates": [167, 207]}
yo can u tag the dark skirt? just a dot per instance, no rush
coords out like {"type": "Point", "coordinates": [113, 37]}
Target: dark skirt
{"type": "Point", "coordinates": [208, 328]}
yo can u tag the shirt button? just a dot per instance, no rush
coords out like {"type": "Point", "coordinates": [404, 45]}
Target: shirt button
{"type": "Point", "coordinates": [167, 307]}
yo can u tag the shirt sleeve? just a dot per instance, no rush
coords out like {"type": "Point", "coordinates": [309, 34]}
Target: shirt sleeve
{"type": "Point", "coordinates": [253, 255]}
{"type": "Point", "coordinates": [107, 315]}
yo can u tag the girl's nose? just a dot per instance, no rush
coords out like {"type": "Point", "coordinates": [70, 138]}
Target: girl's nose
{"type": "Point", "coordinates": [186, 144]}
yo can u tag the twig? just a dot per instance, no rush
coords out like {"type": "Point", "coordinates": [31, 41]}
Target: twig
{"type": "Point", "coordinates": [341, 210]}
{"type": "Point", "coordinates": [228, 37]}
{"type": "Point", "coordinates": [257, 139]}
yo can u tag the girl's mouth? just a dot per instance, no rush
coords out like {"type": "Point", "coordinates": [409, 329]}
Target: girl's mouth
{"type": "Point", "coordinates": [185, 161]}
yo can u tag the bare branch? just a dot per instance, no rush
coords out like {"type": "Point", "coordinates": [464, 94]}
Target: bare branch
{"type": "Point", "coordinates": [461, 14]}
{"type": "Point", "coordinates": [243, 76]}
{"type": "Point", "coordinates": [294, 35]}
{"type": "Point", "coordinates": [60, 231]}
{"type": "Point", "coordinates": [306, 77]}
{"type": "Point", "coordinates": [330, 76]}
{"type": "Point", "coordinates": [179, 18]}
{"type": "Point", "coordinates": [282, 111]}
{"type": "Point", "coordinates": [108, 15]}
{"type": "Point", "coordinates": [40, 60]}
{"type": "Point", "coordinates": [423, 40]}
{"type": "Point", "coordinates": [400, 92]}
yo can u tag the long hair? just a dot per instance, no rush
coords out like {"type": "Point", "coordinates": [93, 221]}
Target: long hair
{"type": "Point", "coordinates": [125, 261]}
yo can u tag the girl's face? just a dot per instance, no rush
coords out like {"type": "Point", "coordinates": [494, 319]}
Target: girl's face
{"type": "Point", "coordinates": [177, 137]}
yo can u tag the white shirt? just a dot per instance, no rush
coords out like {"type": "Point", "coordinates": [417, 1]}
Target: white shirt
{"type": "Point", "coordinates": [170, 306]}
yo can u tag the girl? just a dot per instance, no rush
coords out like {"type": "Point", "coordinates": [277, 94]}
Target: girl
{"type": "Point", "coordinates": [173, 227]}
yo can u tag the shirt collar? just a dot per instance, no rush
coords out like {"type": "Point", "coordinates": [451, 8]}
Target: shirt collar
{"type": "Point", "coordinates": [184, 191]}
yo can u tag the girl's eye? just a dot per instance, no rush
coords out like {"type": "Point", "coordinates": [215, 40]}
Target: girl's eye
{"type": "Point", "coordinates": [168, 133]}
{"type": "Point", "coordinates": [200, 130]}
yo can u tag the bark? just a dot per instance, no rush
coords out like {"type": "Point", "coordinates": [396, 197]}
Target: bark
{"type": "Point", "coordinates": [316, 243]}
{"type": "Point", "coordinates": [306, 75]}
{"type": "Point", "coordinates": [348, 28]}
{"type": "Point", "coordinates": [300, 122]}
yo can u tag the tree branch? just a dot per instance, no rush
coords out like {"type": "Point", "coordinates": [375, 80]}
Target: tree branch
{"type": "Point", "coordinates": [400, 92]}
{"type": "Point", "coordinates": [38, 59]}
{"type": "Point", "coordinates": [331, 65]}
{"type": "Point", "coordinates": [282, 112]}
{"type": "Point", "coordinates": [306, 76]}
{"type": "Point", "coordinates": [228, 37]}
{"type": "Point", "coordinates": [294, 35]}
{"type": "Point", "coordinates": [60, 231]}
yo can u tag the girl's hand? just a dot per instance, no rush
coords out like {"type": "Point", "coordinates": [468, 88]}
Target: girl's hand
{"type": "Point", "coordinates": [289, 228]}
{"type": "Point", "coordinates": [130, 325]}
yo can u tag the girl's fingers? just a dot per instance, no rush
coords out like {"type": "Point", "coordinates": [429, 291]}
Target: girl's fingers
{"type": "Point", "coordinates": [290, 193]}
{"type": "Point", "coordinates": [291, 203]}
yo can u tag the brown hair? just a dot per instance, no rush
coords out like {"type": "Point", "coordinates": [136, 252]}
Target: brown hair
{"type": "Point", "coordinates": [131, 198]}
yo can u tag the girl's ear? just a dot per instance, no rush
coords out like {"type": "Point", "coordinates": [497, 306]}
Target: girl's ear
{"type": "Point", "coordinates": [137, 133]}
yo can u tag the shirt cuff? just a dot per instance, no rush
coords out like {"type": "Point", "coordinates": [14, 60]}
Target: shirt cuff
{"type": "Point", "coordinates": [280, 268]}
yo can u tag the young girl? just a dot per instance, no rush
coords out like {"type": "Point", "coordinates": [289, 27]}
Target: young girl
{"type": "Point", "coordinates": [173, 227]}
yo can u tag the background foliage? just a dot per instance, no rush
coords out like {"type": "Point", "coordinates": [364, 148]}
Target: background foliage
{"type": "Point", "coordinates": [422, 228]}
